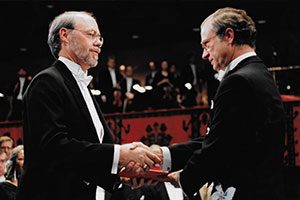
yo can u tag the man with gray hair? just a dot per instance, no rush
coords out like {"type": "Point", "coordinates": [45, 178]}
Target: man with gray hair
{"type": "Point", "coordinates": [6, 145]}
{"type": "Point", "coordinates": [243, 148]}
{"type": "Point", "coordinates": [69, 148]}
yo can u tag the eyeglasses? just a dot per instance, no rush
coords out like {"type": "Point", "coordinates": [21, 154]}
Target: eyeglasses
{"type": "Point", "coordinates": [5, 147]}
{"type": "Point", "coordinates": [92, 35]}
{"type": "Point", "coordinates": [204, 44]}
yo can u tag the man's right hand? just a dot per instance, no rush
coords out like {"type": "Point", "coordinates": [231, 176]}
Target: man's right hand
{"type": "Point", "coordinates": [138, 153]}
{"type": "Point", "coordinates": [154, 148]}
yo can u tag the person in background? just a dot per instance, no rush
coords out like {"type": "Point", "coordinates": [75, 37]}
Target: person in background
{"type": "Point", "coordinates": [129, 95]}
{"type": "Point", "coordinates": [175, 79]}
{"type": "Point", "coordinates": [69, 149]}
{"type": "Point", "coordinates": [190, 79]}
{"type": "Point", "coordinates": [150, 76]}
{"type": "Point", "coordinates": [148, 96]}
{"type": "Point", "coordinates": [117, 104]}
{"type": "Point", "coordinates": [3, 159]}
{"type": "Point", "coordinates": [6, 145]}
{"type": "Point", "coordinates": [242, 151]}
{"type": "Point", "coordinates": [163, 88]}
{"type": "Point", "coordinates": [17, 91]}
{"type": "Point", "coordinates": [108, 80]}
{"type": "Point", "coordinates": [9, 187]}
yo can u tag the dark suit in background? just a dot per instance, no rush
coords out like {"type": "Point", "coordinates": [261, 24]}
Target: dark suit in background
{"type": "Point", "coordinates": [188, 75]}
{"type": "Point", "coordinates": [17, 92]}
{"type": "Point", "coordinates": [106, 87]}
{"type": "Point", "coordinates": [130, 104]}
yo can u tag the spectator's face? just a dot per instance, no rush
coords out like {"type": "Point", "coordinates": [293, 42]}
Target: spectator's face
{"type": "Point", "coordinates": [117, 94]}
{"type": "Point", "coordinates": [152, 65]}
{"type": "Point", "coordinates": [111, 63]}
{"type": "Point", "coordinates": [7, 147]}
{"type": "Point", "coordinates": [164, 65]}
{"type": "Point", "coordinates": [2, 164]}
{"type": "Point", "coordinates": [217, 51]}
{"type": "Point", "coordinates": [172, 69]}
{"type": "Point", "coordinates": [22, 72]}
{"type": "Point", "coordinates": [20, 159]}
{"type": "Point", "coordinates": [84, 42]}
{"type": "Point", "coordinates": [129, 71]}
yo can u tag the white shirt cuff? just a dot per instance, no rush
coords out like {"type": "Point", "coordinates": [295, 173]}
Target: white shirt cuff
{"type": "Point", "coordinates": [115, 164]}
{"type": "Point", "coordinates": [167, 162]}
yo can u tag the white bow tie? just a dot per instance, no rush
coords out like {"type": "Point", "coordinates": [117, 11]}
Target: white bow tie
{"type": "Point", "coordinates": [83, 77]}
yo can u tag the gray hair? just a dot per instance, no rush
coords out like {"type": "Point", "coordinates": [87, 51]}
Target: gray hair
{"type": "Point", "coordinates": [12, 169]}
{"type": "Point", "coordinates": [64, 20]}
{"type": "Point", "coordinates": [238, 20]}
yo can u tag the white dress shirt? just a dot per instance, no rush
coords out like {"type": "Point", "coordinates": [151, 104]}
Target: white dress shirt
{"type": "Point", "coordinates": [193, 67]}
{"type": "Point", "coordinates": [22, 82]}
{"type": "Point", "coordinates": [129, 81]}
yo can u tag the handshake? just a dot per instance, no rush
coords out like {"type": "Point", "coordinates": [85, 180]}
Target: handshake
{"type": "Point", "coordinates": [140, 163]}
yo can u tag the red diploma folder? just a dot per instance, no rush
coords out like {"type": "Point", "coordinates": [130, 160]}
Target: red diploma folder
{"type": "Point", "coordinates": [153, 173]}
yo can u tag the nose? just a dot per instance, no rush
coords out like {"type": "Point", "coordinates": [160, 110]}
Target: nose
{"type": "Point", "coordinates": [98, 42]}
{"type": "Point", "coordinates": [205, 54]}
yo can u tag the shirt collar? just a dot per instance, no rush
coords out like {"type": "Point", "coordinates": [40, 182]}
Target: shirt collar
{"type": "Point", "coordinates": [237, 60]}
{"type": "Point", "coordinates": [234, 63]}
{"type": "Point", "coordinates": [76, 70]}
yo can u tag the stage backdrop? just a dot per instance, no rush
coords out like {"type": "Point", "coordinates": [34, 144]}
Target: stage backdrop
{"type": "Point", "coordinates": [162, 127]}
{"type": "Point", "coordinates": [297, 134]}
{"type": "Point", "coordinates": [165, 127]}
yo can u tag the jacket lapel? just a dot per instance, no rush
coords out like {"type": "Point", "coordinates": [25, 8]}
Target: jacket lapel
{"type": "Point", "coordinates": [75, 90]}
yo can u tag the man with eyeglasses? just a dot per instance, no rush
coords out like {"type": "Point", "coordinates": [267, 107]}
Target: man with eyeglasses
{"type": "Point", "coordinates": [6, 145]}
{"type": "Point", "coordinates": [69, 148]}
{"type": "Point", "coordinates": [243, 148]}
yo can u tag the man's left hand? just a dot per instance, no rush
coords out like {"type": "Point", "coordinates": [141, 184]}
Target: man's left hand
{"type": "Point", "coordinates": [173, 178]}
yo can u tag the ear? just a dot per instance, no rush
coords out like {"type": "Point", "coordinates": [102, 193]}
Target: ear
{"type": "Point", "coordinates": [63, 34]}
{"type": "Point", "coordinates": [229, 35]}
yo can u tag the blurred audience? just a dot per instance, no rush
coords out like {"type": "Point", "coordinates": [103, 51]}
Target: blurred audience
{"type": "Point", "coordinates": [190, 76]}
{"type": "Point", "coordinates": [164, 95]}
{"type": "Point", "coordinates": [17, 90]}
{"type": "Point", "coordinates": [109, 79]}
{"type": "Point", "coordinates": [164, 87]}
{"type": "Point", "coordinates": [150, 76]}
{"type": "Point", "coordinates": [129, 94]}
{"type": "Point", "coordinates": [117, 104]}
{"type": "Point", "coordinates": [8, 188]}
